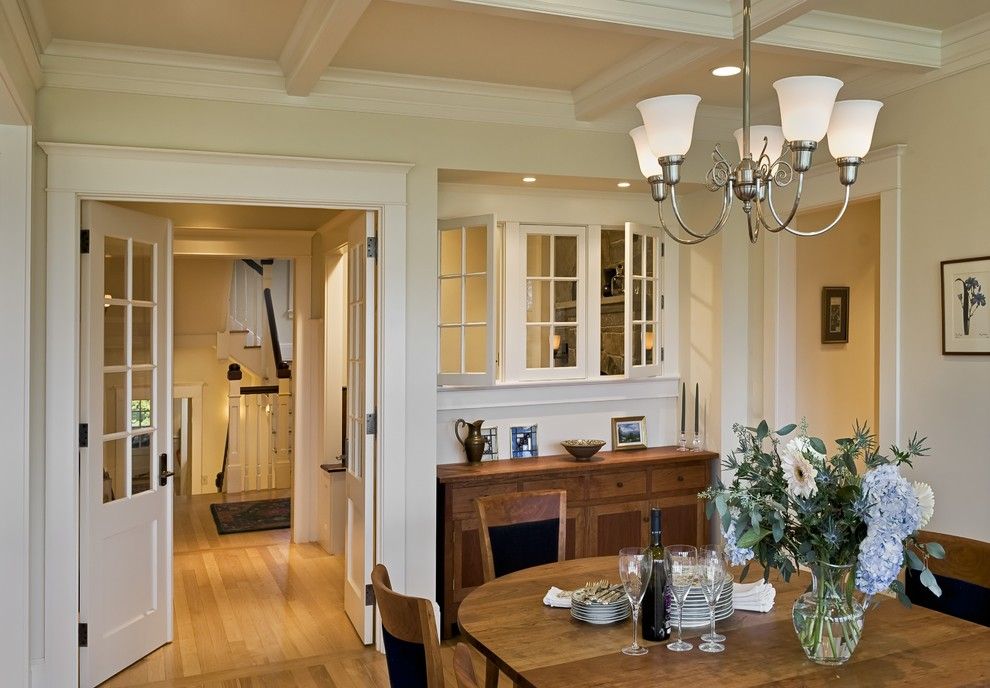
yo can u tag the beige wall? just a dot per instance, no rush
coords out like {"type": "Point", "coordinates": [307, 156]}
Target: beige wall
{"type": "Point", "coordinates": [943, 216]}
{"type": "Point", "coordinates": [837, 383]}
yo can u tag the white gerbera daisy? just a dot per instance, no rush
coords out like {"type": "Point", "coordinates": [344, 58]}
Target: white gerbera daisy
{"type": "Point", "coordinates": [926, 501]}
{"type": "Point", "coordinates": [799, 472]}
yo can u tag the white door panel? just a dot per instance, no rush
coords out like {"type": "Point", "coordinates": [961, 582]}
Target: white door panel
{"type": "Point", "coordinates": [125, 538]}
{"type": "Point", "coordinates": [359, 479]}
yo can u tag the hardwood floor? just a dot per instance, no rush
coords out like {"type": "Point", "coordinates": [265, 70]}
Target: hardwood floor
{"type": "Point", "coordinates": [253, 610]}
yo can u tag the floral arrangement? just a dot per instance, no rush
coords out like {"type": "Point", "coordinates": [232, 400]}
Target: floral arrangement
{"type": "Point", "coordinates": [789, 504]}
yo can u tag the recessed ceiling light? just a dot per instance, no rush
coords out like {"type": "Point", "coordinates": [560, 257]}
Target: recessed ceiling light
{"type": "Point", "coordinates": [729, 70]}
{"type": "Point", "coordinates": [529, 180]}
{"type": "Point", "coordinates": [623, 185]}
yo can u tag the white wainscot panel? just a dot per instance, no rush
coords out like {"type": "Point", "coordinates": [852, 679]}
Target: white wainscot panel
{"type": "Point", "coordinates": [562, 410]}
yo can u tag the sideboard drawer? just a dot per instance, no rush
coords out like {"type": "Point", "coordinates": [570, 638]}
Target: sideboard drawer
{"type": "Point", "coordinates": [623, 484]}
{"type": "Point", "coordinates": [462, 499]}
{"type": "Point", "coordinates": [676, 478]}
{"type": "Point", "coordinates": [573, 486]}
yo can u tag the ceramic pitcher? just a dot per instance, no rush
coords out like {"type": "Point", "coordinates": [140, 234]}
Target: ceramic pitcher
{"type": "Point", "coordinates": [473, 442]}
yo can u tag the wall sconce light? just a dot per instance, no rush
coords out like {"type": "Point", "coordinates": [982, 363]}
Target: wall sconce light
{"type": "Point", "coordinates": [560, 350]}
{"type": "Point", "coordinates": [649, 341]}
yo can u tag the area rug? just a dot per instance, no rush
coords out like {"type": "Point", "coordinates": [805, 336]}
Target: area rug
{"type": "Point", "coordinates": [245, 517]}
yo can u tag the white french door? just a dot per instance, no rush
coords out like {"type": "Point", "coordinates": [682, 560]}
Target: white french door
{"type": "Point", "coordinates": [359, 538]}
{"type": "Point", "coordinates": [125, 501]}
{"type": "Point", "coordinates": [643, 303]}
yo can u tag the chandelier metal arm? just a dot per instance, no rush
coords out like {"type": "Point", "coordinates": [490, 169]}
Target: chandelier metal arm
{"type": "Point", "coordinates": [723, 217]}
{"type": "Point", "coordinates": [781, 224]}
{"type": "Point", "coordinates": [785, 226]}
{"type": "Point", "coordinates": [842, 211]}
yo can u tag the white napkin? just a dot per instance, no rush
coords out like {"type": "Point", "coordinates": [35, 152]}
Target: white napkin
{"type": "Point", "coordinates": [558, 598]}
{"type": "Point", "coordinates": [753, 597]}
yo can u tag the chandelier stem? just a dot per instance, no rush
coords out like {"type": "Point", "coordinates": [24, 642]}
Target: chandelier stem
{"type": "Point", "coordinates": [747, 38]}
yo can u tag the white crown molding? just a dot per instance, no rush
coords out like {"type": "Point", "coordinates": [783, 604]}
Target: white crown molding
{"type": "Point", "coordinates": [18, 20]}
{"type": "Point", "coordinates": [858, 39]}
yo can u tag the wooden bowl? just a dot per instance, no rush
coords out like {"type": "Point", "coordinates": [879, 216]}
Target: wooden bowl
{"type": "Point", "coordinates": [582, 450]}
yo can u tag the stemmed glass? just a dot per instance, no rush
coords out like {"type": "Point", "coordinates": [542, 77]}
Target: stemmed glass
{"type": "Point", "coordinates": [712, 573]}
{"type": "Point", "coordinates": [635, 567]}
{"type": "Point", "coordinates": [680, 562]}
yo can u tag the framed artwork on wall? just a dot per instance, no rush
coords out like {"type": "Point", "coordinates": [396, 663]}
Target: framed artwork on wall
{"type": "Point", "coordinates": [965, 312]}
{"type": "Point", "coordinates": [835, 315]}
{"type": "Point", "coordinates": [524, 443]}
{"type": "Point", "coordinates": [629, 433]}
{"type": "Point", "coordinates": [491, 444]}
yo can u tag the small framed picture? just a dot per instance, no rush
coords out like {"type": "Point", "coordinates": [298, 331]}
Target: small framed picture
{"type": "Point", "coordinates": [491, 444]}
{"type": "Point", "coordinates": [524, 444]}
{"type": "Point", "coordinates": [629, 433]}
{"type": "Point", "coordinates": [835, 315]}
{"type": "Point", "coordinates": [965, 311]}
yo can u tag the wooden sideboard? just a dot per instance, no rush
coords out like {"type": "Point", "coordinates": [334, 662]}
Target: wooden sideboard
{"type": "Point", "coordinates": [608, 506]}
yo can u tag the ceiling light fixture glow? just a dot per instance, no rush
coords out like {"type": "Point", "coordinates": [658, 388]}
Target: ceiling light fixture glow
{"type": "Point", "coordinates": [770, 156]}
{"type": "Point", "coordinates": [623, 185]}
{"type": "Point", "coordinates": [728, 70]}
{"type": "Point", "coordinates": [529, 180]}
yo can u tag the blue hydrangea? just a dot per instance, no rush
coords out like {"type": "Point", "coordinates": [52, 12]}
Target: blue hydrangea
{"type": "Point", "coordinates": [892, 505]}
{"type": "Point", "coordinates": [881, 557]}
{"type": "Point", "coordinates": [736, 555]}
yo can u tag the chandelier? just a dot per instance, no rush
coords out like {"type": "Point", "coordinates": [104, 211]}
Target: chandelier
{"type": "Point", "coordinates": [808, 111]}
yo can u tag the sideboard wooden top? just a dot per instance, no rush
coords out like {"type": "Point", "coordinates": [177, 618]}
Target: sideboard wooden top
{"type": "Point", "coordinates": [565, 463]}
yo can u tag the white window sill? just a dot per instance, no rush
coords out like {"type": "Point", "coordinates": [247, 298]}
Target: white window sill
{"type": "Point", "coordinates": [543, 392]}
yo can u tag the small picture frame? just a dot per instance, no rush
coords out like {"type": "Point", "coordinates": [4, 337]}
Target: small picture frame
{"type": "Point", "coordinates": [965, 310]}
{"type": "Point", "coordinates": [524, 442]}
{"type": "Point", "coordinates": [835, 315]}
{"type": "Point", "coordinates": [629, 432]}
{"type": "Point", "coordinates": [491, 444]}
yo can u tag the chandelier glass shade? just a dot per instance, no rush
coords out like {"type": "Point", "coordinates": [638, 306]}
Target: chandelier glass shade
{"type": "Point", "coordinates": [769, 156]}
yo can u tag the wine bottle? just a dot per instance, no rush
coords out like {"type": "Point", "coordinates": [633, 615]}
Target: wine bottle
{"type": "Point", "coordinates": [656, 620]}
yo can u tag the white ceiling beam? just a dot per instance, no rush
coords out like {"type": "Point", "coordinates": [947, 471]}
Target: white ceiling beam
{"type": "Point", "coordinates": [318, 35]}
{"type": "Point", "coordinates": [623, 81]}
{"type": "Point", "coordinates": [858, 40]}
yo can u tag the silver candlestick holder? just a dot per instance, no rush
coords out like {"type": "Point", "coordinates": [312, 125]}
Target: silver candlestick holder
{"type": "Point", "coordinates": [682, 447]}
{"type": "Point", "coordinates": [696, 444]}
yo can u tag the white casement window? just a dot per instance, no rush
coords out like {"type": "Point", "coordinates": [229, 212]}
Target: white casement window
{"type": "Point", "coordinates": [545, 302]}
{"type": "Point", "coordinates": [526, 302]}
{"type": "Point", "coordinates": [467, 301]}
{"type": "Point", "coordinates": [644, 297]}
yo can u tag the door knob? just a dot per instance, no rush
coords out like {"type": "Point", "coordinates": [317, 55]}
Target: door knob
{"type": "Point", "coordinates": [164, 474]}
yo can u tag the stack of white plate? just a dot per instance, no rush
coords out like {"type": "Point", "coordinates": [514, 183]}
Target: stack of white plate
{"type": "Point", "coordinates": [585, 607]}
{"type": "Point", "coordinates": [696, 612]}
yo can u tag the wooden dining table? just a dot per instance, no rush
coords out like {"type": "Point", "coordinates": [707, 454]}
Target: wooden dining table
{"type": "Point", "coordinates": [541, 647]}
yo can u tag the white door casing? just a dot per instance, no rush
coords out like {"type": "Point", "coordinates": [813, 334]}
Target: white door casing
{"type": "Point", "coordinates": [125, 535]}
{"type": "Point", "coordinates": [359, 542]}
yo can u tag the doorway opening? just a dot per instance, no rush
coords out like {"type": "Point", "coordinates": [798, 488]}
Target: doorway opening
{"type": "Point", "coordinates": [240, 434]}
{"type": "Point", "coordinates": [838, 322]}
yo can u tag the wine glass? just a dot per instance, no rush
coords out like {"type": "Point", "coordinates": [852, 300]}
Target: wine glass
{"type": "Point", "coordinates": [680, 562]}
{"type": "Point", "coordinates": [712, 574]}
{"type": "Point", "coordinates": [635, 567]}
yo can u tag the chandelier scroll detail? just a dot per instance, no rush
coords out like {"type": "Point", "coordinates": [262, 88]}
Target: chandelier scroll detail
{"type": "Point", "coordinates": [770, 156]}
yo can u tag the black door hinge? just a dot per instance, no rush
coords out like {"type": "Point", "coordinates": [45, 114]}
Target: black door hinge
{"type": "Point", "coordinates": [661, 354]}
{"type": "Point", "coordinates": [83, 241]}
{"type": "Point", "coordinates": [371, 424]}
{"type": "Point", "coordinates": [83, 635]}
{"type": "Point", "coordinates": [369, 595]}
{"type": "Point", "coordinates": [663, 249]}
{"type": "Point", "coordinates": [661, 301]}
{"type": "Point", "coordinates": [84, 434]}
{"type": "Point", "coordinates": [373, 247]}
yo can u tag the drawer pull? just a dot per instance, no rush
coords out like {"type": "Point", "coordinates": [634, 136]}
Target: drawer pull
{"type": "Point", "coordinates": [680, 478]}
{"type": "Point", "coordinates": [618, 484]}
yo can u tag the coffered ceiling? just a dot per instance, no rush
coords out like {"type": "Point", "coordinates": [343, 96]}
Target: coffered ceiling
{"type": "Point", "coordinates": [539, 62]}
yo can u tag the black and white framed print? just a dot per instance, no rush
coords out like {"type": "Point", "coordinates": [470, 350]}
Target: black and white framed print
{"type": "Point", "coordinates": [835, 315]}
{"type": "Point", "coordinates": [629, 433]}
{"type": "Point", "coordinates": [491, 444]}
{"type": "Point", "coordinates": [524, 443]}
{"type": "Point", "coordinates": [965, 313]}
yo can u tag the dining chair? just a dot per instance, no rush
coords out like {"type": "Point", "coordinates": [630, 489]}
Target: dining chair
{"type": "Point", "coordinates": [409, 633]}
{"type": "Point", "coordinates": [464, 667]}
{"type": "Point", "coordinates": [521, 529]}
{"type": "Point", "coordinates": [963, 576]}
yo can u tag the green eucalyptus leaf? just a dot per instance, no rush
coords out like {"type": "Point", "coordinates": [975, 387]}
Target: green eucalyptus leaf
{"type": "Point", "coordinates": [721, 505]}
{"type": "Point", "coordinates": [934, 549]}
{"type": "Point", "coordinates": [709, 509]}
{"type": "Point", "coordinates": [914, 561]}
{"type": "Point", "coordinates": [745, 572]}
{"type": "Point", "coordinates": [928, 580]}
{"type": "Point", "coordinates": [778, 530]}
{"type": "Point", "coordinates": [762, 431]}
{"type": "Point", "coordinates": [817, 445]}
{"type": "Point", "coordinates": [787, 429]}
{"type": "Point", "coordinates": [898, 588]}
{"type": "Point", "coordinates": [751, 537]}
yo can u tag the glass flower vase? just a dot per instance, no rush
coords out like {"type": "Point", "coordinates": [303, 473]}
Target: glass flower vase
{"type": "Point", "coordinates": [829, 619]}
